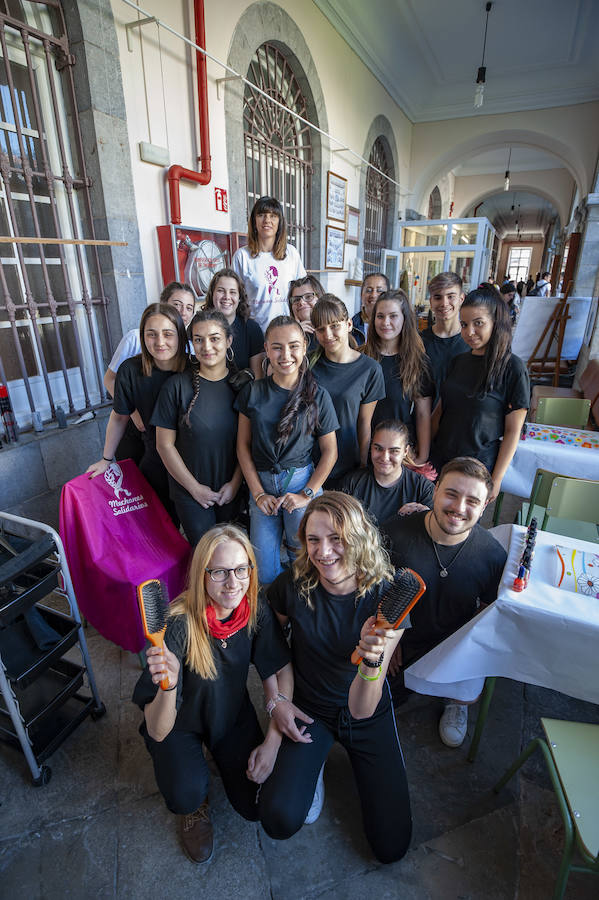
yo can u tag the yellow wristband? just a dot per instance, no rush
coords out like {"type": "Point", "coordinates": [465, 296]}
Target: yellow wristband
{"type": "Point", "coordinates": [369, 677]}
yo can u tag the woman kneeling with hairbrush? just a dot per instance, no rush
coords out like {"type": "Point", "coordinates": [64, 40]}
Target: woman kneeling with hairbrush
{"type": "Point", "coordinates": [215, 629]}
{"type": "Point", "coordinates": [331, 596]}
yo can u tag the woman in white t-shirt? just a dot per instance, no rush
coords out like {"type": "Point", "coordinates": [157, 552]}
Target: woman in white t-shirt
{"type": "Point", "coordinates": [268, 263]}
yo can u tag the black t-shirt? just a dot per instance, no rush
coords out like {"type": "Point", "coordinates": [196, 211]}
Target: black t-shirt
{"type": "Point", "coordinates": [248, 341]}
{"type": "Point", "coordinates": [350, 385]}
{"type": "Point", "coordinates": [448, 603]}
{"type": "Point", "coordinates": [384, 502]}
{"type": "Point", "coordinates": [440, 352]}
{"type": "Point", "coordinates": [135, 391]}
{"type": "Point", "coordinates": [396, 404]}
{"type": "Point", "coordinates": [322, 642]}
{"type": "Point", "coordinates": [263, 402]}
{"type": "Point", "coordinates": [472, 425]}
{"type": "Point", "coordinates": [207, 447]}
{"type": "Point", "coordinates": [210, 708]}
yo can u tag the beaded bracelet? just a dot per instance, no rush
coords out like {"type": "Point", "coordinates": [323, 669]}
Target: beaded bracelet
{"type": "Point", "coordinates": [369, 677]}
{"type": "Point", "coordinates": [373, 665]}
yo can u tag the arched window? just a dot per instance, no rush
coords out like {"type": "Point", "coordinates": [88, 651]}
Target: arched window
{"type": "Point", "coordinates": [377, 207]}
{"type": "Point", "coordinates": [278, 150]}
{"type": "Point", "coordinates": [434, 203]}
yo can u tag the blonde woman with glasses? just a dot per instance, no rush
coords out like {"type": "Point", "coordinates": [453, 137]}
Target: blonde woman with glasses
{"type": "Point", "coordinates": [215, 629]}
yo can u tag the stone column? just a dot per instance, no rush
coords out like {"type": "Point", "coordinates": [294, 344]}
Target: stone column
{"type": "Point", "coordinates": [586, 283]}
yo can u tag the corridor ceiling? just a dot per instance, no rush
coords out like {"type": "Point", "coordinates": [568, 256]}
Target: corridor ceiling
{"type": "Point", "coordinates": [540, 53]}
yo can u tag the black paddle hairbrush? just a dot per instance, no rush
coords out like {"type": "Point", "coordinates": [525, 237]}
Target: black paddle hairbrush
{"type": "Point", "coordinates": [153, 606]}
{"type": "Point", "coordinates": [400, 597]}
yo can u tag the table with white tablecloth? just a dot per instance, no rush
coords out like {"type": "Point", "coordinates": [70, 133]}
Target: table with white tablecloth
{"type": "Point", "coordinates": [544, 635]}
{"type": "Point", "coordinates": [565, 451]}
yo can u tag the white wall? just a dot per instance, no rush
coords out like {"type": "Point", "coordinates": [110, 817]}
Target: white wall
{"type": "Point", "coordinates": [342, 76]}
{"type": "Point", "coordinates": [554, 184]}
{"type": "Point", "coordinates": [570, 132]}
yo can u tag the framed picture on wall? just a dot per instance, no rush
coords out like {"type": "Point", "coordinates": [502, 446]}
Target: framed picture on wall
{"type": "Point", "coordinates": [336, 192]}
{"type": "Point", "coordinates": [352, 229]}
{"type": "Point", "coordinates": [335, 247]}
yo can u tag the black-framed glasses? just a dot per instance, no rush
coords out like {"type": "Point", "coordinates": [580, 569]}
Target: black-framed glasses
{"type": "Point", "coordinates": [240, 572]}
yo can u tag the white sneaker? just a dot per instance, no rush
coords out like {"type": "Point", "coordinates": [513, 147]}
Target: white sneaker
{"type": "Point", "coordinates": [317, 801]}
{"type": "Point", "coordinates": [453, 724]}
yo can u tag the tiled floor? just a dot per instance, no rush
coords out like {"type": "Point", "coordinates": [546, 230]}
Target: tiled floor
{"type": "Point", "coordinates": [100, 829]}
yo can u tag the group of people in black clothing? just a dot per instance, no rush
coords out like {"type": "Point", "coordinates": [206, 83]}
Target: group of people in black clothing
{"type": "Point", "coordinates": [356, 446]}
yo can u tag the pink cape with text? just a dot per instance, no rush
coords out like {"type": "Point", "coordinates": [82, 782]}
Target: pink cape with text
{"type": "Point", "coordinates": [117, 534]}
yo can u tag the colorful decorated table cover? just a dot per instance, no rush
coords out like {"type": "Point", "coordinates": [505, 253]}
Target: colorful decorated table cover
{"type": "Point", "coordinates": [545, 635]}
{"type": "Point", "coordinates": [565, 451]}
{"type": "Point", "coordinates": [558, 435]}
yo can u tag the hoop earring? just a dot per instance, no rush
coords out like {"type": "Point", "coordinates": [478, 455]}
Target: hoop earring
{"type": "Point", "coordinates": [231, 356]}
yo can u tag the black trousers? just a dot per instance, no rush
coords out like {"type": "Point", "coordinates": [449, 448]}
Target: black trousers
{"type": "Point", "coordinates": [196, 520]}
{"type": "Point", "coordinates": [182, 772]}
{"type": "Point", "coordinates": [377, 762]}
{"type": "Point", "coordinates": [153, 470]}
{"type": "Point", "coordinates": [131, 445]}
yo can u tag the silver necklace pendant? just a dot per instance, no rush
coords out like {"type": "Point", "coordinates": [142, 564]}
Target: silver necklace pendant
{"type": "Point", "coordinates": [223, 643]}
{"type": "Point", "coordinates": [443, 573]}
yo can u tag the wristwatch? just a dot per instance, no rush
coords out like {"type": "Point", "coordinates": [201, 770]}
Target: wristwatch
{"type": "Point", "coordinates": [309, 493]}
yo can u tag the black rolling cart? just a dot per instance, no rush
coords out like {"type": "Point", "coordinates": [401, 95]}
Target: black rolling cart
{"type": "Point", "coordinates": [44, 694]}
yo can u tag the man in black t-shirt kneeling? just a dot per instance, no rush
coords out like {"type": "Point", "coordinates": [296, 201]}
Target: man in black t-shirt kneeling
{"type": "Point", "coordinates": [461, 565]}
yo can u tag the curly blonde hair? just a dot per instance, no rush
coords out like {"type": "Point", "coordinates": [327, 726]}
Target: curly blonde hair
{"type": "Point", "coordinates": [192, 603]}
{"type": "Point", "coordinates": [364, 551]}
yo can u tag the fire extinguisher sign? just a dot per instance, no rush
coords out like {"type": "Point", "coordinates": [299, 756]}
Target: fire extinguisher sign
{"type": "Point", "coordinates": [220, 200]}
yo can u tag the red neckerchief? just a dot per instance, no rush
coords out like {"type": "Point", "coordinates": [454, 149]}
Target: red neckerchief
{"type": "Point", "coordinates": [238, 620]}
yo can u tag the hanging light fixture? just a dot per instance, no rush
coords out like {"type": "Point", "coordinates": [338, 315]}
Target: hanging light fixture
{"type": "Point", "coordinates": [482, 69]}
{"type": "Point", "coordinates": [506, 183]}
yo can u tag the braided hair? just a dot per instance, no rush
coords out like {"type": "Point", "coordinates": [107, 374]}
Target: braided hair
{"type": "Point", "coordinates": [205, 315]}
{"type": "Point", "coordinates": [303, 395]}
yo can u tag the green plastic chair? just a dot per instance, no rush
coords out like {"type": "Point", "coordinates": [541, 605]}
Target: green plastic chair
{"type": "Point", "coordinates": [574, 499]}
{"type": "Point", "coordinates": [571, 412]}
{"type": "Point", "coordinates": [571, 752]}
{"type": "Point", "coordinates": [571, 511]}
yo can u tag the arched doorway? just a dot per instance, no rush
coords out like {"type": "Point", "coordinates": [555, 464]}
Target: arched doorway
{"type": "Point", "coordinates": [378, 201]}
{"type": "Point", "coordinates": [278, 148]}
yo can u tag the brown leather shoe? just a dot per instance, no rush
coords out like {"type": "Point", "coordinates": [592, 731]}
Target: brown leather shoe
{"type": "Point", "coordinates": [195, 832]}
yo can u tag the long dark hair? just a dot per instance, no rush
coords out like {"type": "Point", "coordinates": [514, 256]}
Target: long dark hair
{"type": "Point", "coordinates": [170, 313]}
{"type": "Point", "coordinates": [271, 205]}
{"type": "Point", "coordinates": [498, 350]}
{"type": "Point", "coordinates": [243, 308]}
{"type": "Point", "coordinates": [204, 315]}
{"type": "Point", "coordinates": [303, 395]}
{"type": "Point", "coordinates": [412, 361]}
{"type": "Point", "coordinates": [326, 311]}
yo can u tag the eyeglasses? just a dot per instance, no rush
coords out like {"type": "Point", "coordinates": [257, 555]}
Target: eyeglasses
{"type": "Point", "coordinates": [240, 572]}
{"type": "Point", "coordinates": [303, 297]}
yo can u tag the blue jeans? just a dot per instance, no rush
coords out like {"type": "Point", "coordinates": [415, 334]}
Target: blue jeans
{"type": "Point", "coordinates": [266, 532]}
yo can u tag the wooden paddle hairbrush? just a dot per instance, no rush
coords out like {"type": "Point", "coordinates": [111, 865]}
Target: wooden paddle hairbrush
{"type": "Point", "coordinates": [401, 596]}
{"type": "Point", "coordinates": [153, 606]}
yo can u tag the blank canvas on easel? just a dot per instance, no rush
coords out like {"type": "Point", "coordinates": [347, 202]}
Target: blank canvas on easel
{"type": "Point", "coordinates": [534, 315]}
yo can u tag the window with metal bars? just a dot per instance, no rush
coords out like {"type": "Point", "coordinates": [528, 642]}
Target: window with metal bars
{"type": "Point", "coordinates": [52, 304]}
{"type": "Point", "coordinates": [278, 149]}
{"type": "Point", "coordinates": [434, 203]}
{"type": "Point", "coordinates": [377, 207]}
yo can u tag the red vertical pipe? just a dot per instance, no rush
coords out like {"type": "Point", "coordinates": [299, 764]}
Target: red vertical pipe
{"type": "Point", "coordinates": [176, 173]}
